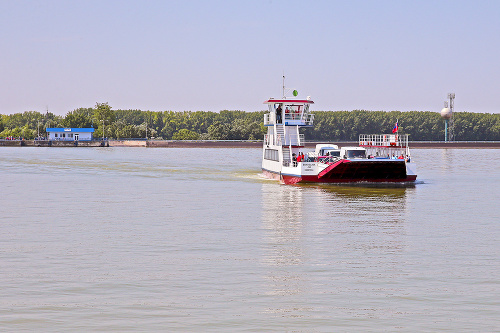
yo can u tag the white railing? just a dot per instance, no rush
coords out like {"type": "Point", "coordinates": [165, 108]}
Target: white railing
{"type": "Point", "coordinates": [385, 145]}
{"type": "Point", "coordinates": [270, 139]}
{"type": "Point", "coordinates": [295, 140]}
{"type": "Point", "coordinates": [278, 140]}
{"type": "Point", "coordinates": [293, 116]}
{"type": "Point", "coordinates": [267, 119]}
{"type": "Point", "coordinates": [384, 140]}
{"type": "Point", "coordinates": [307, 119]}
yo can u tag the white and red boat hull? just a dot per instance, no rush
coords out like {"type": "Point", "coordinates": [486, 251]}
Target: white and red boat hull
{"type": "Point", "coordinates": [348, 171]}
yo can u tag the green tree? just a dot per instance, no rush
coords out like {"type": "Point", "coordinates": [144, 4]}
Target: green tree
{"type": "Point", "coordinates": [27, 133]}
{"type": "Point", "coordinates": [185, 134]}
{"type": "Point", "coordinates": [103, 111]}
{"type": "Point", "coordinates": [103, 115]}
{"type": "Point", "coordinates": [79, 118]}
{"type": "Point", "coordinates": [218, 131]}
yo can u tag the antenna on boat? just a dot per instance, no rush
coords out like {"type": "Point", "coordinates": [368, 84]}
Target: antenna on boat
{"type": "Point", "coordinates": [284, 84]}
{"type": "Point", "coordinates": [295, 92]}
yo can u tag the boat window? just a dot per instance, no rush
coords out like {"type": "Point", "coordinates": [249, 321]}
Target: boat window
{"type": "Point", "coordinates": [333, 153]}
{"type": "Point", "coordinates": [271, 154]}
{"type": "Point", "coordinates": [356, 154]}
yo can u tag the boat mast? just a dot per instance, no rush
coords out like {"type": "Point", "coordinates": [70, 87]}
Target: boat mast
{"type": "Point", "coordinates": [283, 84]}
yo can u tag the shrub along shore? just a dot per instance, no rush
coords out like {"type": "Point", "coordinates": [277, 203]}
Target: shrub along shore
{"type": "Point", "coordinates": [329, 126]}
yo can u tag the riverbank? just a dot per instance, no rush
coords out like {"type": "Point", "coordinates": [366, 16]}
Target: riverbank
{"type": "Point", "coordinates": [258, 144]}
{"type": "Point", "coordinates": [228, 144]}
{"type": "Point", "coordinates": [55, 143]}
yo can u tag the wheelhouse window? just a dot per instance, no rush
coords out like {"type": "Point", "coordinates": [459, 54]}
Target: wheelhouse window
{"type": "Point", "coordinates": [293, 111]}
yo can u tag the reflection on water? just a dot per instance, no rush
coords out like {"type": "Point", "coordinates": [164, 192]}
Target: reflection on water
{"type": "Point", "coordinates": [447, 160]}
{"type": "Point", "coordinates": [282, 209]}
{"type": "Point", "coordinates": [364, 189]}
{"type": "Point", "coordinates": [283, 252]}
{"type": "Point", "coordinates": [282, 222]}
{"type": "Point", "coordinates": [333, 230]}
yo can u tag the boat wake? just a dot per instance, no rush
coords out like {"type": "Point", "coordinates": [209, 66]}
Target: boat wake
{"type": "Point", "coordinates": [258, 177]}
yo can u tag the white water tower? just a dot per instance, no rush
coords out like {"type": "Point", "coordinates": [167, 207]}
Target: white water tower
{"type": "Point", "coordinates": [447, 114]}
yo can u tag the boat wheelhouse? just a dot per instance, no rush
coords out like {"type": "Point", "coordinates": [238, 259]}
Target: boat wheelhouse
{"type": "Point", "coordinates": [377, 158]}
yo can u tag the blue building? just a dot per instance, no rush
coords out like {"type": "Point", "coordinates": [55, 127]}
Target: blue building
{"type": "Point", "coordinates": [70, 134]}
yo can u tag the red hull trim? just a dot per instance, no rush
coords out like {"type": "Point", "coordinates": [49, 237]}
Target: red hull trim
{"type": "Point", "coordinates": [287, 179]}
{"type": "Point", "coordinates": [289, 101]}
{"type": "Point", "coordinates": [294, 179]}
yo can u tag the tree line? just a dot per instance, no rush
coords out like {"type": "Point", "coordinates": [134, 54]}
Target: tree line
{"type": "Point", "coordinates": [420, 125]}
{"type": "Point", "coordinates": [241, 125]}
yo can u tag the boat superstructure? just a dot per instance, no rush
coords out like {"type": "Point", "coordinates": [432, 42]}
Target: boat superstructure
{"type": "Point", "coordinates": [377, 158]}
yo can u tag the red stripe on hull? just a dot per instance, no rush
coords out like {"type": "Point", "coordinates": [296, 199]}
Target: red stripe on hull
{"type": "Point", "coordinates": [290, 180]}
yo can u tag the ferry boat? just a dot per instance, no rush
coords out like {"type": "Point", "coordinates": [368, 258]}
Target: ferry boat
{"type": "Point", "coordinates": [378, 158]}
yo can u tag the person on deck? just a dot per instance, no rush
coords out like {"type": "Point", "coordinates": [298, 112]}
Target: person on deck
{"type": "Point", "coordinates": [278, 114]}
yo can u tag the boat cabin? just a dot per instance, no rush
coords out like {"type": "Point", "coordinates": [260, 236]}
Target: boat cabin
{"type": "Point", "coordinates": [289, 112]}
{"type": "Point", "coordinates": [327, 150]}
{"type": "Point", "coordinates": [353, 152]}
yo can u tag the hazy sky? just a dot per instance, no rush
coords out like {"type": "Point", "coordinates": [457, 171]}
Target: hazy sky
{"type": "Point", "coordinates": [216, 55]}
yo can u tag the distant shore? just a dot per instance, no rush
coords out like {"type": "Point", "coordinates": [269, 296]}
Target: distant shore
{"type": "Point", "coordinates": [231, 144]}
{"type": "Point", "coordinates": [258, 144]}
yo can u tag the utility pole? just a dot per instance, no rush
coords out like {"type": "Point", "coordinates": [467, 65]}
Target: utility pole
{"type": "Point", "coordinates": [451, 96]}
{"type": "Point", "coordinates": [447, 114]}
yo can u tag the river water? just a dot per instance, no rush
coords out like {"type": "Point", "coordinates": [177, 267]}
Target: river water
{"type": "Point", "coordinates": [195, 240]}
